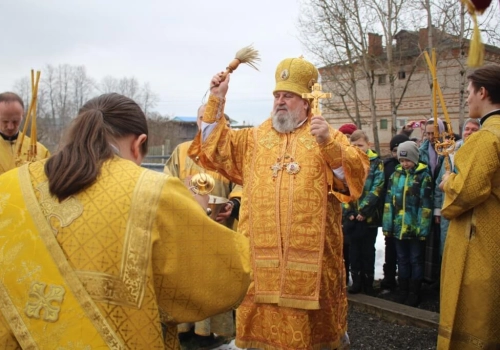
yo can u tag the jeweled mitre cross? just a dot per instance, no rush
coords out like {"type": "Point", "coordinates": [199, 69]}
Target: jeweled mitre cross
{"type": "Point", "coordinates": [315, 95]}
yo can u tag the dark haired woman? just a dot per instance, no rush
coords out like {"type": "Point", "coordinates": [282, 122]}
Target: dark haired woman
{"type": "Point", "coordinates": [97, 252]}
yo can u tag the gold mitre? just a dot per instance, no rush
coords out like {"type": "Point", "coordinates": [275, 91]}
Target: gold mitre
{"type": "Point", "coordinates": [295, 75]}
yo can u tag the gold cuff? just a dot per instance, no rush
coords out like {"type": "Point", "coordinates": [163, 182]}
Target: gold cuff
{"type": "Point", "coordinates": [215, 107]}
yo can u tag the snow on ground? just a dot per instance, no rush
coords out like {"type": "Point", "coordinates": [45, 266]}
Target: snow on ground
{"type": "Point", "coordinates": [379, 255]}
{"type": "Point", "coordinates": [229, 346]}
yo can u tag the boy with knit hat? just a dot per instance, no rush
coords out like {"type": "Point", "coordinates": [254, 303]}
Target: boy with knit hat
{"type": "Point", "coordinates": [407, 218]}
{"type": "Point", "coordinates": [389, 280]}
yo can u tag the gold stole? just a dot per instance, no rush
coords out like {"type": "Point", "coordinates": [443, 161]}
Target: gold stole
{"type": "Point", "coordinates": [287, 248]}
{"type": "Point", "coordinates": [41, 296]}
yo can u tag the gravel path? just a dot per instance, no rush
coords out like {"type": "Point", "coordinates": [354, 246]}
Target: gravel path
{"type": "Point", "coordinates": [368, 332]}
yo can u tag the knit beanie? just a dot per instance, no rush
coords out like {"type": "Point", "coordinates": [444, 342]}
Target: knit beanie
{"type": "Point", "coordinates": [348, 129]}
{"type": "Point", "coordinates": [397, 140]}
{"type": "Point", "coordinates": [408, 150]}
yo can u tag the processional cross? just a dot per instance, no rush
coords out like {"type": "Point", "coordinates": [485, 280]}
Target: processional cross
{"type": "Point", "coordinates": [316, 94]}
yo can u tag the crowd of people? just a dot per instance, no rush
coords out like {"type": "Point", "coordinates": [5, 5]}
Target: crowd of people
{"type": "Point", "coordinates": [452, 195]}
{"type": "Point", "coordinates": [98, 252]}
{"type": "Point", "coordinates": [407, 213]}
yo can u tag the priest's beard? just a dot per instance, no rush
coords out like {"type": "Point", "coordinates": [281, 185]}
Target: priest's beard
{"type": "Point", "coordinates": [285, 120]}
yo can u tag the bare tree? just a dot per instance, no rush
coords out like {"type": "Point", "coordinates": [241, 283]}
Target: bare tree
{"type": "Point", "coordinates": [148, 99]}
{"type": "Point", "coordinates": [451, 23]}
{"type": "Point", "coordinates": [49, 84]}
{"type": "Point", "coordinates": [129, 87]}
{"type": "Point", "coordinates": [108, 84]}
{"type": "Point", "coordinates": [360, 16]}
{"type": "Point", "coordinates": [392, 14]}
{"type": "Point", "coordinates": [64, 73]}
{"type": "Point", "coordinates": [340, 33]}
{"type": "Point", "coordinates": [324, 31]}
{"type": "Point", "coordinates": [23, 88]}
{"type": "Point", "coordinates": [82, 85]}
{"type": "Point", "coordinates": [65, 88]}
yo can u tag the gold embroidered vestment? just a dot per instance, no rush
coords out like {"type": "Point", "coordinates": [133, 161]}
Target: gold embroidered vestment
{"type": "Point", "coordinates": [127, 239]}
{"type": "Point", "coordinates": [181, 166]}
{"type": "Point", "coordinates": [8, 152]}
{"type": "Point", "coordinates": [293, 225]}
{"type": "Point", "coordinates": [470, 272]}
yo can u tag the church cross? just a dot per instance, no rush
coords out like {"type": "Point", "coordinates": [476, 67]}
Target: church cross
{"type": "Point", "coordinates": [50, 302]}
{"type": "Point", "coordinates": [315, 95]}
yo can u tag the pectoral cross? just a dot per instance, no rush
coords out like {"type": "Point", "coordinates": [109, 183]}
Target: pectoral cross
{"type": "Point", "coordinates": [315, 95]}
{"type": "Point", "coordinates": [276, 167]}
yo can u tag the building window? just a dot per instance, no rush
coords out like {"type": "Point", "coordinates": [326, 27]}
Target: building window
{"type": "Point", "coordinates": [383, 124]}
{"type": "Point", "coordinates": [401, 75]}
{"type": "Point", "coordinates": [382, 79]}
{"type": "Point", "coordinates": [402, 122]}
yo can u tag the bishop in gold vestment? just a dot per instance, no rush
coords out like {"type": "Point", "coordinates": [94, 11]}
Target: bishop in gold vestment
{"type": "Point", "coordinates": [470, 275]}
{"type": "Point", "coordinates": [115, 266]}
{"type": "Point", "coordinates": [290, 211]}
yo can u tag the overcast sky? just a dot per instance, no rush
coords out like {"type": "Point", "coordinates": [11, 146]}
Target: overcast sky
{"type": "Point", "coordinates": [176, 46]}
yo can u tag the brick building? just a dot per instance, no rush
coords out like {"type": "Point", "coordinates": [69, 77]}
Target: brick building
{"type": "Point", "coordinates": [409, 63]}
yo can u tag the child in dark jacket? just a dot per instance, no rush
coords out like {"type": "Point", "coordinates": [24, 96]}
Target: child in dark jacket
{"type": "Point", "coordinates": [390, 263]}
{"type": "Point", "coordinates": [362, 218]}
{"type": "Point", "coordinates": [407, 218]}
